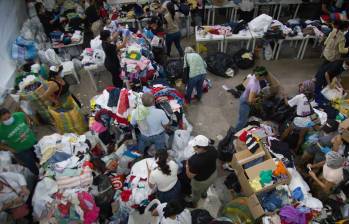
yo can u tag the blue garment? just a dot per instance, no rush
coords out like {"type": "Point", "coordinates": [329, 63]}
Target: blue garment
{"type": "Point", "coordinates": [173, 194]}
{"type": "Point", "coordinates": [170, 92]}
{"type": "Point", "coordinates": [176, 39]}
{"type": "Point", "coordinates": [297, 194]}
{"type": "Point", "coordinates": [157, 140]}
{"type": "Point", "coordinates": [113, 97]}
{"type": "Point", "coordinates": [58, 157]}
{"type": "Point", "coordinates": [270, 201]}
{"type": "Point", "coordinates": [196, 82]}
{"type": "Point", "coordinates": [244, 112]}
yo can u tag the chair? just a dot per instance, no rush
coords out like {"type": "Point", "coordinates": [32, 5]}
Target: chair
{"type": "Point", "coordinates": [69, 69]}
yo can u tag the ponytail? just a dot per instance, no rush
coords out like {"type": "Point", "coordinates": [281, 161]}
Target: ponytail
{"type": "Point", "coordinates": [161, 160]}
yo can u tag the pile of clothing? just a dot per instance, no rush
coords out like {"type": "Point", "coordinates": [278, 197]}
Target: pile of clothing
{"type": "Point", "coordinates": [63, 194]}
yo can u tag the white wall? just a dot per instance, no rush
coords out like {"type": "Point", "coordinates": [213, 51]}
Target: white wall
{"type": "Point", "coordinates": [12, 15]}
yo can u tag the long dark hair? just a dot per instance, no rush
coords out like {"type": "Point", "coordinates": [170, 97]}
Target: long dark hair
{"type": "Point", "coordinates": [171, 9]}
{"type": "Point", "coordinates": [161, 160]}
{"type": "Point", "coordinates": [173, 208]}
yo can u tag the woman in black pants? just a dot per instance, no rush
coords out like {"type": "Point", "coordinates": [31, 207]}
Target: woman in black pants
{"type": "Point", "coordinates": [111, 62]}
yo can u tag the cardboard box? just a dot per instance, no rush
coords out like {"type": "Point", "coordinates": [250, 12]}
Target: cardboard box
{"type": "Point", "coordinates": [243, 155]}
{"type": "Point", "coordinates": [244, 176]}
{"type": "Point", "coordinates": [255, 206]}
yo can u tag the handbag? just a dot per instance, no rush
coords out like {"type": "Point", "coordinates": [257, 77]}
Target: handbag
{"type": "Point", "coordinates": [20, 211]}
{"type": "Point", "coordinates": [186, 71]}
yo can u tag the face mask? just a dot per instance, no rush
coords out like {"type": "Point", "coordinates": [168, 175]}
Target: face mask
{"type": "Point", "coordinates": [9, 121]}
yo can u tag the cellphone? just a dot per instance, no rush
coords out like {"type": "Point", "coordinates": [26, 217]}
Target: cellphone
{"type": "Point", "coordinates": [154, 206]}
{"type": "Point", "coordinates": [309, 168]}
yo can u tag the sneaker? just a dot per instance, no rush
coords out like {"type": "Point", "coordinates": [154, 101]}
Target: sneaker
{"type": "Point", "coordinates": [235, 93]}
{"type": "Point", "coordinates": [227, 166]}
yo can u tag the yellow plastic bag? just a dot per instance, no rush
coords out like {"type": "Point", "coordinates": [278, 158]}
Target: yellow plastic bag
{"type": "Point", "coordinates": [68, 118]}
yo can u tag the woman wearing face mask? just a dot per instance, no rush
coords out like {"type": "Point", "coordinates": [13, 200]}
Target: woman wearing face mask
{"type": "Point", "coordinates": [17, 137]}
{"type": "Point", "coordinates": [164, 177]}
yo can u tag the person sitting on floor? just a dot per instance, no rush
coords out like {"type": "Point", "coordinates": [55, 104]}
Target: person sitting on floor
{"type": "Point", "coordinates": [325, 75]}
{"type": "Point", "coordinates": [164, 177]}
{"type": "Point", "coordinates": [151, 123]}
{"type": "Point", "coordinates": [201, 168]}
{"type": "Point", "coordinates": [316, 151]}
{"type": "Point", "coordinates": [332, 174]}
{"type": "Point", "coordinates": [49, 21]}
{"type": "Point", "coordinates": [306, 117]}
{"type": "Point", "coordinates": [14, 196]}
{"type": "Point", "coordinates": [17, 137]}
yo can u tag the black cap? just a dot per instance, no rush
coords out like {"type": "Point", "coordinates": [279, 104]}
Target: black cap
{"type": "Point", "coordinates": [330, 126]}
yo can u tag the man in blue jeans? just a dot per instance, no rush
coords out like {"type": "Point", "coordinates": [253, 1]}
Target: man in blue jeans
{"type": "Point", "coordinates": [151, 122]}
{"type": "Point", "coordinates": [197, 71]}
{"type": "Point", "coordinates": [249, 96]}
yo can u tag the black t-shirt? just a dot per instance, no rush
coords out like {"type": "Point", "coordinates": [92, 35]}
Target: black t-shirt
{"type": "Point", "coordinates": [45, 19]}
{"type": "Point", "coordinates": [203, 164]}
{"type": "Point", "coordinates": [111, 61]}
{"type": "Point", "coordinates": [333, 69]}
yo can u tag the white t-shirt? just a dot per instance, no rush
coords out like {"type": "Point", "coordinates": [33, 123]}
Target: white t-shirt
{"type": "Point", "coordinates": [162, 181]}
{"type": "Point", "coordinates": [182, 218]}
{"type": "Point", "coordinates": [303, 110]}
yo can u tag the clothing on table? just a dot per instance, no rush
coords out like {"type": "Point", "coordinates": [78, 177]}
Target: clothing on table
{"type": "Point", "coordinates": [197, 65]}
{"type": "Point", "coordinates": [303, 109]}
{"type": "Point", "coordinates": [335, 45]}
{"type": "Point", "coordinates": [182, 218]}
{"type": "Point", "coordinates": [203, 164]}
{"type": "Point", "coordinates": [176, 39]}
{"type": "Point", "coordinates": [18, 135]}
{"type": "Point", "coordinates": [15, 181]}
{"type": "Point", "coordinates": [199, 188]}
{"type": "Point", "coordinates": [195, 82]}
{"type": "Point", "coordinates": [28, 159]}
{"type": "Point", "coordinates": [112, 63]}
{"type": "Point", "coordinates": [153, 124]}
{"type": "Point", "coordinates": [163, 181]}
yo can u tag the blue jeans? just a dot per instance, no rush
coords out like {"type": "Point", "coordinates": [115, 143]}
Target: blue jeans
{"type": "Point", "coordinates": [28, 159]}
{"type": "Point", "coordinates": [176, 39]}
{"type": "Point", "coordinates": [196, 82]}
{"type": "Point", "coordinates": [173, 194]}
{"type": "Point", "coordinates": [244, 112]}
{"type": "Point", "coordinates": [157, 140]}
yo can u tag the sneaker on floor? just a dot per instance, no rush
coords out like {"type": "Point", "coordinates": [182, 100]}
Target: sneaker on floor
{"type": "Point", "coordinates": [235, 93]}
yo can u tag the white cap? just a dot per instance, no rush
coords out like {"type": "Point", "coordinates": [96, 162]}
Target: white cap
{"type": "Point", "coordinates": [199, 140]}
{"type": "Point", "coordinates": [54, 68]}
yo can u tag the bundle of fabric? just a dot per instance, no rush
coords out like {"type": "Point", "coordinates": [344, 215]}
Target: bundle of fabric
{"type": "Point", "coordinates": [62, 196]}
{"type": "Point", "coordinates": [92, 56]}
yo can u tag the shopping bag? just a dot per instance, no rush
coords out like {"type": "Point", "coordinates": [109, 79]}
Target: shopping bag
{"type": "Point", "coordinates": [68, 118]}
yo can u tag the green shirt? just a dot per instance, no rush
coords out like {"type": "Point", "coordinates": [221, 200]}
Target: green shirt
{"type": "Point", "coordinates": [197, 65]}
{"type": "Point", "coordinates": [18, 135]}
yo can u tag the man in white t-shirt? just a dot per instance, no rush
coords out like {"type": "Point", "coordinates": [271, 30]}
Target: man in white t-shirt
{"type": "Point", "coordinates": [172, 213]}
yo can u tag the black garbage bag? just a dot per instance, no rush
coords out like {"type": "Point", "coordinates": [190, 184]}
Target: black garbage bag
{"type": "Point", "coordinates": [226, 147]}
{"type": "Point", "coordinates": [232, 182]}
{"type": "Point", "coordinates": [200, 216]}
{"type": "Point", "coordinates": [105, 195]}
{"type": "Point", "coordinates": [218, 63]}
{"type": "Point", "coordinates": [244, 62]}
{"type": "Point", "coordinates": [174, 68]}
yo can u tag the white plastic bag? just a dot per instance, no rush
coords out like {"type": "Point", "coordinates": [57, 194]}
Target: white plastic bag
{"type": "Point", "coordinates": [268, 52]}
{"type": "Point", "coordinates": [180, 140]}
{"type": "Point", "coordinates": [332, 94]}
{"type": "Point", "coordinates": [96, 43]}
{"type": "Point", "coordinates": [260, 23]}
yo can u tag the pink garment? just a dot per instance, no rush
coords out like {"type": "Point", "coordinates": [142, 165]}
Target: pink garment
{"type": "Point", "coordinates": [123, 104]}
{"type": "Point", "coordinates": [98, 127]}
{"type": "Point", "coordinates": [88, 205]}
